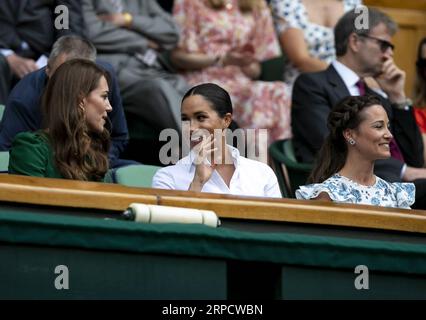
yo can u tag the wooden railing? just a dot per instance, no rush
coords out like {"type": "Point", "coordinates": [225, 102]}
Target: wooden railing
{"type": "Point", "coordinates": [76, 194]}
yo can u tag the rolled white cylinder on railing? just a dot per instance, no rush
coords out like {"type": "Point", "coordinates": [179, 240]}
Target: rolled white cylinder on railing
{"type": "Point", "coordinates": [147, 213]}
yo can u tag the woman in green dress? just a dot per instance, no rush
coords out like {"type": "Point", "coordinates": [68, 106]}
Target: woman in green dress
{"type": "Point", "coordinates": [75, 141]}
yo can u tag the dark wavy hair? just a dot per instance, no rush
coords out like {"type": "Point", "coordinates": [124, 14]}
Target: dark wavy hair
{"type": "Point", "coordinates": [333, 153]}
{"type": "Point", "coordinates": [79, 153]}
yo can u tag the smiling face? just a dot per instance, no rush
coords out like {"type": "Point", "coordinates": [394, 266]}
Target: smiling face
{"type": "Point", "coordinates": [372, 136]}
{"type": "Point", "coordinates": [202, 118]}
{"type": "Point", "coordinates": [96, 106]}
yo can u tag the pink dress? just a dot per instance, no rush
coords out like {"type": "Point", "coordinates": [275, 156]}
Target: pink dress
{"type": "Point", "coordinates": [257, 104]}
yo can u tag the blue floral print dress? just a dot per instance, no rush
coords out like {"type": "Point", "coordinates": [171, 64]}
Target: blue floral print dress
{"type": "Point", "coordinates": [344, 190]}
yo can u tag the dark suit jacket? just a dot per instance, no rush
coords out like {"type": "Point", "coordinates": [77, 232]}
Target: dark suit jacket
{"type": "Point", "coordinates": [29, 21]}
{"type": "Point", "coordinates": [314, 95]}
{"type": "Point", "coordinates": [32, 21]}
{"type": "Point", "coordinates": [23, 112]}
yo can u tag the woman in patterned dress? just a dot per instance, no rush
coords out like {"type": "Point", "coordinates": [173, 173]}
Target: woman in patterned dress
{"type": "Point", "coordinates": [224, 41]}
{"type": "Point", "coordinates": [359, 135]}
{"type": "Point", "coordinates": [305, 31]}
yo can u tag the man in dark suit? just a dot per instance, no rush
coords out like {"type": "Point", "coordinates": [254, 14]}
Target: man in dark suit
{"type": "Point", "coordinates": [361, 53]}
{"type": "Point", "coordinates": [27, 32]}
{"type": "Point", "coordinates": [23, 112]}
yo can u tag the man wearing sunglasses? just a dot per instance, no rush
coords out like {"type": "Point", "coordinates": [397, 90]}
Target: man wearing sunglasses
{"type": "Point", "coordinates": [364, 56]}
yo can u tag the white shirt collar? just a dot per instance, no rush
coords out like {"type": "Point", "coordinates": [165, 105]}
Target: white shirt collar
{"type": "Point", "coordinates": [349, 77]}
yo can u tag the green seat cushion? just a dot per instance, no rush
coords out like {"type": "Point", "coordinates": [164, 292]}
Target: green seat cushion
{"type": "Point", "coordinates": [136, 175]}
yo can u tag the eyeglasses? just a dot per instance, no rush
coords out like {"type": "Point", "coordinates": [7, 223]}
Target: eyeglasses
{"type": "Point", "coordinates": [384, 45]}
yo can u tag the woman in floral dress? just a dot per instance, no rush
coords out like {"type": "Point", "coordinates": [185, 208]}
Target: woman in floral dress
{"type": "Point", "coordinates": [305, 30]}
{"type": "Point", "coordinates": [344, 170]}
{"type": "Point", "coordinates": [224, 41]}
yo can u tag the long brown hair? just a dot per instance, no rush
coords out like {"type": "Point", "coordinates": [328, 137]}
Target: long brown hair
{"type": "Point", "coordinates": [79, 153]}
{"type": "Point", "coordinates": [244, 5]}
{"type": "Point", "coordinates": [420, 83]}
{"type": "Point", "coordinates": [332, 155]}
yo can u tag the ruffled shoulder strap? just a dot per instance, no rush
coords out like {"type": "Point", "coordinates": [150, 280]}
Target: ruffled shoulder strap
{"type": "Point", "coordinates": [405, 194]}
{"type": "Point", "coordinates": [337, 189]}
{"type": "Point", "coordinates": [312, 191]}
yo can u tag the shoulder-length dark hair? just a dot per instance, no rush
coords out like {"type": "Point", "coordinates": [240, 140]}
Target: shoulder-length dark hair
{"type": "Point", "coordinates": [333, 153]}
{"type": "Point", "coordinates": [79, 153]}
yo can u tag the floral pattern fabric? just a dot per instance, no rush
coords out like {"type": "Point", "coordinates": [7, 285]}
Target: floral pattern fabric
{"type": "Point", "coordinates": [344, 190]}
{"type": "Point", "coordinates": [319, 39]}
{"type": "Point", "coordinates": [257, 104]}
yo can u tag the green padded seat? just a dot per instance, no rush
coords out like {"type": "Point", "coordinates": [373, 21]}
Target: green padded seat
{"type": "Point", "coordinates": [4, 161]}
{"type": "Point", "coordinates": [135, 175]}
{"type": "Point", "coordinates": [1, 111]}
{"type": "Point", "coordinates": [4, 155]}
{"type": "Point", "coordinates": [272, 69]}
{"type": "Point", "coordinates": [282, 153]}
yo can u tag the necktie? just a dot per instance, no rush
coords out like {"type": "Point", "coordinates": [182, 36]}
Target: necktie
{"type": "Point", "coordinates": [361, 87]}
{"type": "Point", "coordinates": [395, 151]}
